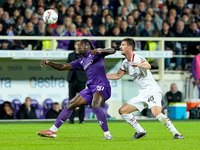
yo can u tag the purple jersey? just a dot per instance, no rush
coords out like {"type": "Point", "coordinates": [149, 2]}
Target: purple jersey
{"type": "Point", "coordinates": [94, 68]}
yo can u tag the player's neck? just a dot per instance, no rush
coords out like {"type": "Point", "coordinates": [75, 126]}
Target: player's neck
{"type": "Point", "coordinates": [129, 56]}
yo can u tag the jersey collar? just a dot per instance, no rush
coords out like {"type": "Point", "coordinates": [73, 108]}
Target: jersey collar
{"type": "Point", "coordinates": [132, 58]}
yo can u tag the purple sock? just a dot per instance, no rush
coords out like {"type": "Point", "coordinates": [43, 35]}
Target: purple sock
{"type": "Point", "coordinates": [63, 116]}
{"type": "Point", "coordinates": [101, 118]}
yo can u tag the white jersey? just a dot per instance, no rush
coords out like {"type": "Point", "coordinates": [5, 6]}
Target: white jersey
{"type": "Point", "coordinates": [140, 76]}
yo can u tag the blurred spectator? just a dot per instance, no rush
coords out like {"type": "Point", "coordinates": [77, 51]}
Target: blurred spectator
{"type": "Point", "coordinates": [29, 31]}
{"type": "Point", "coordinates": [101, 32]}
{"type": "Point", "coordinates": [172, 23]}
{"type": "Point", "coordinates": [40, 3]}
{"type": "Point", "coordinates": [54, 111]}
{"type": "Point", "coordinates": [61, 31]}
{"type": "Point", "coordinates": [115, 33]}
{"type": "Point", "coordinates": [106, 4]}
{"type": "Point", "coordinates": [62, 10]}
{"type": "Point", "coordinates": [1, 12]}
{"type": "Point", "coordinates": [87, 13]}
{"type": "Point", "coordinates": [129, 5]}
{"type": "Point", "coordinates": [41, 28]}
{"type": "Point", "coordinates": [71, 32]}
{"type": "Point", "coordinates": [70, 11]}
{"type": "Point", "coordinates": [181, 47]}
{"type": "Point", "coordinates": [124, 12]}
{"type": "Point", "coordinates": [117, 21]}
{"type": "Point", "coordinates": [86, 3]}
{"type": "Point", "coordinates": [67, 21]}
{"type": "Point", "coordinates": [132, 25]}
{"type": "Point", "coordinates": [83, 31]}
{"type": "Point", "coordinates": [179, 8]}
{"type": "Point", "coordinates": [155, 18]}
{"type": "Point", "coordinates": [170, 4]}
{"type": "Point", "coordinates": [78, 20]}
{"type": "Point", "coordinates": [185, 19]}
{"type": "Point", "coordinates": [135, 14]}
{"type": "Point", "coordinates": [77, 7]}
{"type": "Point", "coordinates": [6, 111]}
{"type": "Point", "coordinates": [34, 20]}
{"type": "Point", "coordinates": [141, 9]}
{"type": "Point", "coordinates": [27, 16]}
{"type": "Point", "coordinates": [172, 96]}
{"type": "Point", "coordinates": [26, 111]}
{"type": "Point", "coordinates": [16, 13]}
{"type": "Point", "coordinates": [5, 45]}
{"type": "Point", "coordinates": [27, 4]}
{"type": "Point", "coordinates": [9, 7]}
{"type": "Point", "coordinates": [40, 11]}
{"type": "Point", "coordinates": [148, 3]}
{"type": "Point", "coordinates": [124, 30]}
{"type": "Point", "coordinates": [193, 47]}
{"type": "Point", "coordinates": [109, 23]}
{"type": "Point", "coordinates": [155, 6]}
{"type": "Point", "coordinates": [163, 13]}
{"type": "Point", "coordinates": [104, 13]}
{"type": "Point", "coordinates": [172, 12]}
{"type": "Point", "coordinates": [91, 27]}
{"type": "Point", "coordinates": [96, 14]}
{"type": "Point", "coordinates": [169, 45]}
{"type": "Point", "coordinates": [146, 32]}
{"type": "Point", "coordinates": [19, 26]}
{"type": "Point", "coordinates": [6, 19]}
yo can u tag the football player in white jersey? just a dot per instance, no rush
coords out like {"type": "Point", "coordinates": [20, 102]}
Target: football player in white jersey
{"type": "Point", "coordinates": [149, 94]}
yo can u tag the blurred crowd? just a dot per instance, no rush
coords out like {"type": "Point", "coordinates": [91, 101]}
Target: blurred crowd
{"type": "Point", "coordinates": [133, 18]}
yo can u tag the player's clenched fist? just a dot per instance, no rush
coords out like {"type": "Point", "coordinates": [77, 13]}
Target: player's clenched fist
{"type": "Point", "coordinates": [44, 62]}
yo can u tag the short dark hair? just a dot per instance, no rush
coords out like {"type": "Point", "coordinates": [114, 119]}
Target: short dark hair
{"type": "Point", "coordinates": [87, 42]}
{"type": "Point", "coordinates": [130, 42]}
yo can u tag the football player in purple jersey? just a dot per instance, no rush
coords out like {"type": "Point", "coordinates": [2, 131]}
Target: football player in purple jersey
{"type": "Point", "coordinates": [98, 90]}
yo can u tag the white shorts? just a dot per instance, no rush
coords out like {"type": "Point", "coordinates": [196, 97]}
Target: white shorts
{"type": "Point", "coordinates": [142, 101]}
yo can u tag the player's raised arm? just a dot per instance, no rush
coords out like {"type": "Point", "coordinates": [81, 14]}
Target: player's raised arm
{"type": "Point", "coordinates": [116, 76]}
{"type": "Point", "coordinates": [107, 51]}
{"type": "Point", "coordinates": [56, 65]}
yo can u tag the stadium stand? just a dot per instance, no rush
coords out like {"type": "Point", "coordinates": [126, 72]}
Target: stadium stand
{"type": "Point", "coordinates": [16, 103]}
{"type": "Point", "coordinates": [47, 105]}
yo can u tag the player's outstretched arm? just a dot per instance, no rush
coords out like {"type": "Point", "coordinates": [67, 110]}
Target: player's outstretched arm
{"type": "Point", "coordinates": [116, 76]}
{"type": "Point", "coordinates": [56, 65]}
{"type": "Point", "coordinates": [107, 51]}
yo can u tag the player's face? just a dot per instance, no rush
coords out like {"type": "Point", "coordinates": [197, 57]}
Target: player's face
{"type": "Point", "coordinates": [124, 47]}
{"type": "Point", "coordinates": [82, 48]}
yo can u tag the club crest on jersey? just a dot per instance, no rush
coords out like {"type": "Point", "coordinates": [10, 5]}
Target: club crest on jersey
{"type": "Point", "coordinates": [89, 63]}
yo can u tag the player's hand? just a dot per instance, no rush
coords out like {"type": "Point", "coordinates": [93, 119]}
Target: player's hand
{"type": "Point", "coordinates": [44, 62]}
{"type": "Point", "coordinates": [134, 64]}
{"type": "Point", "coordinates": [95, 51]}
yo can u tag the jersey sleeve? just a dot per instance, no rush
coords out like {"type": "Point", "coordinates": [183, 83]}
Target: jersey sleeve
{"type": "Point", "coordinates": [76, 64]}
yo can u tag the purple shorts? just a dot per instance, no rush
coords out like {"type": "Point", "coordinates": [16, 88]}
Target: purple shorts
{"type": "Point", "coordinates": [88, 93]}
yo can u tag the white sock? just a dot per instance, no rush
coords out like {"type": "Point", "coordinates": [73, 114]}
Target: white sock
{"type": "Point", "coordinates": [167, 123]}
{"type": "Point", "coordinates": [54, 128]}
{"type": "Point", "coordinates": [107, 133]}
{"type": "Point", "coordinates": [132, 121]}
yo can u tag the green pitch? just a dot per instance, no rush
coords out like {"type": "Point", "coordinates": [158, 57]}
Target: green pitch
{"type": "Point", "coordinates": [89, 136]}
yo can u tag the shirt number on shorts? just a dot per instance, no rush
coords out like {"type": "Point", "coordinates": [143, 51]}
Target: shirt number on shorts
{"type": "Point", "coordinates": [100, 88]}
